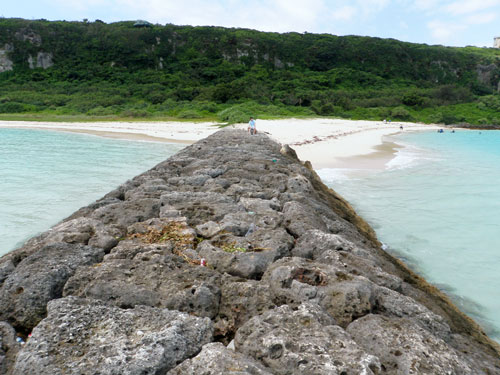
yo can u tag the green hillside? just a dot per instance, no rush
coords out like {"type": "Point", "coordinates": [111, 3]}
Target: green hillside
{"type": "Point", "coordinates": [93, 70]}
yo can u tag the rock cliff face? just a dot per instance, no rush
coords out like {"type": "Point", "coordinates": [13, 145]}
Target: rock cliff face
{"type": "Point", "coordinates": [231, 257]}
{"type": "Point", "coordinates": [6, 63]}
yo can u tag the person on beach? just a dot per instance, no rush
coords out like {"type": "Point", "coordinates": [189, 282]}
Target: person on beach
{"type": "Point", "coordinates": [251, 126]}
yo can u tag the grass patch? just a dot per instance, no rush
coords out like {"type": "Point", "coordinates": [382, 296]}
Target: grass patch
{"type": "Point", "coordinates": [232, 248]}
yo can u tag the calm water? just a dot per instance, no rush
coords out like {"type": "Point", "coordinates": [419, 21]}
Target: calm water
{"type": "Point", "coordinates": [438, 208]}
{"type": "Point", "coordinates": [45, 176]}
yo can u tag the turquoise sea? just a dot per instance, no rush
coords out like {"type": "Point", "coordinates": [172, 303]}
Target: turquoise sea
{"type": "Point", "coordinates": [437, 207]}
{"type": "Point", "coordinates": [46, 175]}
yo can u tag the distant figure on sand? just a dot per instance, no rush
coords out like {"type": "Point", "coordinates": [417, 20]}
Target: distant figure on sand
{"type": "Point", "coordinates": [401, 127]}
{"type": "Point", "coordinates": [251, 126]}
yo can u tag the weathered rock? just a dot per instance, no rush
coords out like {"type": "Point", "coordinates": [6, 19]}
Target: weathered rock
{"type": "Point", "coordinates": [85, 231]}
{"type": "Point", "coordinates": [151, 281]}
{"type": "Point", "coordinates": [240, 300]}
{"type": "Point", "coordinates": [304, 341]}
{"type": "Point", "coordinates": [216, 359]}
{"type": "Point", "coordinates": [344, 296]}
{"type": "Point", "coordinates": [208, 229]}
{"type": "Point", "coordinates": [314, 242]}
{"type": "Point", "coordinates": [300, 218]}
{"type": "Point", "coordinates": [126, 213]}
{"type": "Point", "coordinates": [231, 230]}
{"type": "Point", "coordinates": [199, 207]}
{"type": "Point", "coordinates": [392, 303]}
{"type": "Point", "coordinates": [296, 280]}
{"type": "Point", "coordinates": [81, 336]}
{"type": "Point", "coordinates": [6, 268]}
{"type": "Point", "coordinates": [234, 260]}
{"type": "Point", "coordinates": [9, 347]}
{"type": "Point", "coordinates": [40, 278]}
{"type": "Point", "coordinates": [365, 265]}
{"type": "Point", "coordinates": [406, 348]}
{"type": "Point", "coordinates": [6, 63]}
{"type": "Point", "coordinates": [247, 257]}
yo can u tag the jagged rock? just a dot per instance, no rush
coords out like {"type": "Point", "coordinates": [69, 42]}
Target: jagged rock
{"type": "Point", "coordinates": [299, 184]}
{"type": "Point", "coordinates": [6, 63]}
{"type": "Point", "coordinates": [392, 303]}
{"type": "Point", "coordinates": [128, 212]}
{"type": "Point", "coordinates": [226, 230]}
{"type": "Point", "coordinates": [81, 336]}
{"type": "Point", "coordinates": [26, 34]}
{"type": "Point", "coordinates": [240, 300]}
{"type": "Point", "coordinates": [85, 231]}
{"type": "Point", "coordinates": [304, 341]}
{"type": "Point", "coordinates": [234, 260]}
{"type": "Point", "coordinates": [288, 151]}
{"type": "Point", "coordinates": [365, 265]}
{"type": "Point", "coordinates": [6, 268]}
{"type": "Point", "coordinates": [247, 256]}
{"type": "Point", "coordinates": [296, 280]}
{"type": "Point", "coordinates": [344, 296]}
{"type": "Point", "coordinates": [9, 347]}
{"type": "Point", "coordinates": [43, 60]}
{"type": "Point", "coordinates": [216, 359]}
{"type": "Point", "coordinates": [406, 348]}
{"type": "Point", "coordinates": [40, 278]}
{"type": "Point", "coordinates": [300, 218]}
{"type": "Point", "coordinates": [155, 278]}
{"type": "Point", "coordinates": [200, 207]}
{"type": "Point", "coordinates": [208, 229]}
{"type": "Point", "coordinates": [314, 242]}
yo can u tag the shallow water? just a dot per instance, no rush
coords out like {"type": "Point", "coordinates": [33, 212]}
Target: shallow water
{"type": "Point", "coordinates": [437, 207]}
{"type": "Point", "coordinates": [45, 176]}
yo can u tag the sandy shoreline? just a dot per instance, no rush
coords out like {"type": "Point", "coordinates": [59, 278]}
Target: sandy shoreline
{"type": "Point", "coordinates": [326, 143]}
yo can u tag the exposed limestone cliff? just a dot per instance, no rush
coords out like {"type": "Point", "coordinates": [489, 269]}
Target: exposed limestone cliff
{"type": "Point", "coordinates": [43, 60]}
{"type": "Point", "coordinates": [6, 63]}
{"type": "Point", "coordinates": [231, 257]}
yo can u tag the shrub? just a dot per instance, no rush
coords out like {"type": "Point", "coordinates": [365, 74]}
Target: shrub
{"type": "Point", "coordinates": [412, 99]}
{"type": "Point", "coordinates": [189, 113]}
{"type": "Point", "coordinates": [400, 113]}
{"type": "Point", "coordinates": [134, 113]}
{"type": "Point", "coordinates": [101, 111]}
{"type": "Point", "coordinates": [12, 107]}
{"type": "Point", "coordinates": [234, 115]}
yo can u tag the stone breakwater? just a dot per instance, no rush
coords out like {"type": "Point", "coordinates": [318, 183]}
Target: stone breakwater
{"type": "Point", "coordinates": [231, 257]}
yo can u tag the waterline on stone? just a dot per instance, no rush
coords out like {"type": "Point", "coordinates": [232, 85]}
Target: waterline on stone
{"type": "Point", "coordinates": [437, 207]}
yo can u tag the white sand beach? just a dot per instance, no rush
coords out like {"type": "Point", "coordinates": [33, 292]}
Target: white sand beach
{"type": "Point", "coordinates": [333, 143]}
{"type": "Point", "coordinates": [338, 143]}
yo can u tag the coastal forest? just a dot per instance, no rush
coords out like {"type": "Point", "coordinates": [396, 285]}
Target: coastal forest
{"type": "Point", "coordinates": [59, 70]}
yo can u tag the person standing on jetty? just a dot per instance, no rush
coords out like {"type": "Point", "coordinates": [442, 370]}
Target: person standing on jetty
{"type": "Point", "coordinates": [251, 126]}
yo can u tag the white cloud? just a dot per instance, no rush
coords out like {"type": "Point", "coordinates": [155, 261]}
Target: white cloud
{"type": "Point", "coordinates": [278, 15]}
{"type": "Point", "coordinates": [374, 4]}
{"type": "Point", "coordinates": [481, 18]}
{"type": "Point", "coordinates": [444, 31]}
{"type": "Point", "coordinates": [445, 20]}
{"type": "Point", "coordinates": [79, 4]}
{"type": "Point", "coordinates": [465, 7]}
{"type": "Point", "coordinates": [426, 4]}
{"type": "Point", "coordinates": [345, 13]}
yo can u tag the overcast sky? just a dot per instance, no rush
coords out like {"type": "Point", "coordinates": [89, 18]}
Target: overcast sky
{"type": "Point", "coordinates": [446, 22]}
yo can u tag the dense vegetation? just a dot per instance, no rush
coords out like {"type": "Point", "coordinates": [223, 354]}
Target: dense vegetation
{"type": "Point", "coordinates": [107, 71]}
